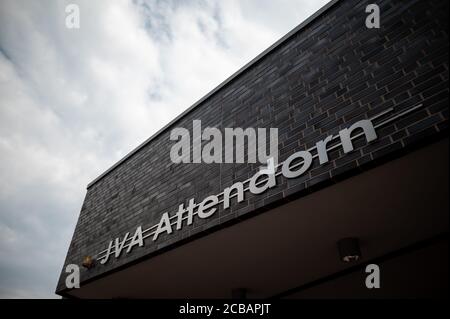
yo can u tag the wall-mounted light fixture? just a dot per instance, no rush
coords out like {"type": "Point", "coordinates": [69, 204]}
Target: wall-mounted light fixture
{"type": "Point", "coordinates": [349, 249]}
{"type": "Point", "coordinates": [88, 262]}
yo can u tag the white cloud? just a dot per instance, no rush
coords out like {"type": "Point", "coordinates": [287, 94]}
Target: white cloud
{"type": "Point", "coordinates": [74, 101]}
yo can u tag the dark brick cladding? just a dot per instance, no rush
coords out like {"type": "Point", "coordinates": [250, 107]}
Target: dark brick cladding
{"type": "Point", "coordinates": [323, 78]}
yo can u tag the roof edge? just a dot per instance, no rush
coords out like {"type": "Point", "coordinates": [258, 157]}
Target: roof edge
{"type": "Point", "coordinates": [279, 42]}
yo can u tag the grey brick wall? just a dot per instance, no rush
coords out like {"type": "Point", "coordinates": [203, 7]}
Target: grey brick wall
{"type": "Point", "coordinates": [328, 75]}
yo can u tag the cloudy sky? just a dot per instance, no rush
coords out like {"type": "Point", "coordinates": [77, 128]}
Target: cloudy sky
{"type": "Point", "coordinates": [74, 101]}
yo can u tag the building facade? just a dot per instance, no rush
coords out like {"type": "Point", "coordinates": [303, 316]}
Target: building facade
{"type": "Point", "coordinates": [386, 185]}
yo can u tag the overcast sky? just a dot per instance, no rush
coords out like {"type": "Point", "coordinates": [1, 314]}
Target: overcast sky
{"type": "Point", "coordinates": [74, 101]}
